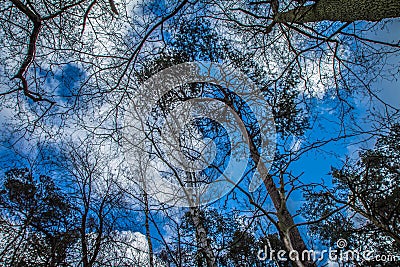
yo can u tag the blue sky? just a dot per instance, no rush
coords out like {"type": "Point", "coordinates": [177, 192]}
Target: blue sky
{"type": "Point", "coordinates": [316, 164]}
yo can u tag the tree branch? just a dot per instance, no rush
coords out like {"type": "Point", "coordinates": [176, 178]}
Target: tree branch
{"type": "Point", "coordinates": [342, 10]}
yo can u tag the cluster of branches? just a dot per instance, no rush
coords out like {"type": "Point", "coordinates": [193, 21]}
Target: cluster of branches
{"type": "Point", "coordinates": [75, 217]}
{"type": "Point", "coordinates": [72, 66]}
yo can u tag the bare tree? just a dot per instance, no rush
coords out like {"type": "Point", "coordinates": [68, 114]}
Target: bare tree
{"type": "Point", "coordinates": [295, 51]}
{"type": "Point", "coordinates": [95, 187]}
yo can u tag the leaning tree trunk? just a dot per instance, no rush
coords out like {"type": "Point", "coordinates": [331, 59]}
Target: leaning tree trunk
{"type": "Point", "coordinates": [342, 10]}
{"type": "Point", "coordinates": [287, 228]}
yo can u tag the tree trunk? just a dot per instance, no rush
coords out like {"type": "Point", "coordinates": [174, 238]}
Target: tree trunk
{"type": "Point", "coordinates": [342, 10]}
{"type": "Point", "coordinates": [201, 235]}
{"type": "Point", "coordinates": [288, 230]}
{"type": "Point", "coordinates": [203, 242]}
{"type": "Point", "coordinates": [147, 226]}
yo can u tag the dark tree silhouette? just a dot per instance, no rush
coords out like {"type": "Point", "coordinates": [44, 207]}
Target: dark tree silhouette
{"type": "Point", "coordinates": [37, 221]}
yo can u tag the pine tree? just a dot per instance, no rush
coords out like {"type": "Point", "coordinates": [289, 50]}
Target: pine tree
{"type": "Point", "coordinates": [37, 220]}
{"type": "Point", "coordinates": [364, 205]}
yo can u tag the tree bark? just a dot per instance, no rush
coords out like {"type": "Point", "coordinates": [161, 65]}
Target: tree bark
{"type": "Point", "coordinates": [147, 226]}
{"type": "Point", "coordinates": [288, 230]}
{"type": "Point", "coordinates": [342, 10]}
{"type": "Point", "coordinates": [202, 240]}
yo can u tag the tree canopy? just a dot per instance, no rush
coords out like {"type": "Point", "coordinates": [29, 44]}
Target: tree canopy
{"type": "Point", "coordinates": [272, 120]}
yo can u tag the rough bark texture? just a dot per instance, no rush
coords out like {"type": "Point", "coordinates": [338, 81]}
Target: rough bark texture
{"type": "Point", "coordinates": [342, 10]}
{"type": "Point", "coordinates": [287, 228]}
{"type": "Point", "coordinates": [202, 240]}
